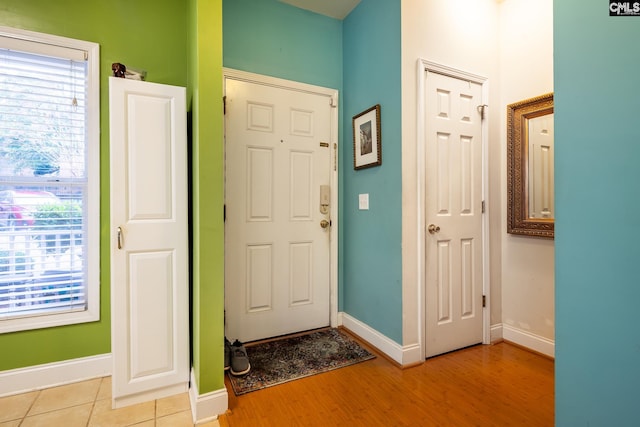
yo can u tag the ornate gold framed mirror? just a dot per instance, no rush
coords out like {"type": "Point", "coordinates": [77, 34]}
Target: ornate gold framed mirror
{"type": "Point", "coordinates": [530, 148]}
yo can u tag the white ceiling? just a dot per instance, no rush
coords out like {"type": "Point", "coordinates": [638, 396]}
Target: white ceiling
{"type": "Point", "coordinates": [338, 9]}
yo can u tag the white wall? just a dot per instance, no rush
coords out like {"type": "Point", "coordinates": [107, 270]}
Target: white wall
{"type": "Point", "coordinates": [510, 43]}
{"type": "Point", "coordinates": [462, 34]}
{"type": "Point", "coordinates": [526, 71]}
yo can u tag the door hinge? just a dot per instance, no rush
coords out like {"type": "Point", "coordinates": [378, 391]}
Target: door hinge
{"type": "Point", "coordinates": [482, 110]}
{"type": "Point", "coordinates": [224, 213]}
{"type": "Point", "coordinates": [483, 206]}
{"type": "Point", "coordinates": [484, 301]}
{"type": "Point", "coordinates": [224, 104]}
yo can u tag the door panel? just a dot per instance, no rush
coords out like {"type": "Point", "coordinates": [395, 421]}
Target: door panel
{"type": "Point", "coordinates": [150, 280]}
{"type": "Point", "coordinates": [149, 265]}
{"type": "Point", "coordinates": [277, 263]}
{"type": "Point", "coordinates": [540, 166]}
{"type": "Point", "coordinates": [453, 138]}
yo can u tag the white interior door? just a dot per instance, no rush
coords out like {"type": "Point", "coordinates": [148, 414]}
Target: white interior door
{"type": "Point", "coordinates": [453, 213]}
{"type": "Point", "coordinates": [277, 253]}
{"type": "Point", "coordinates": [540, 167]}
{"type": "Point", "coordinates": [149, 252]}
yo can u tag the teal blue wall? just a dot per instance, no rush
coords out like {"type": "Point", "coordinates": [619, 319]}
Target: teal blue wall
{"type": "Point", "coordinates": [269, 37]}
{"type": "Point", "coordinates": [272, 38]}
{"type": "Point", "coordinates": [371, 250]}
{"type": "Point", "coordinates": [597, 102]}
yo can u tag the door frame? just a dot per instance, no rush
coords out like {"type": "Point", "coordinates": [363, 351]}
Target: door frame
{"type": "Point", "coordinates": [332, 99]}
{"type": "Point", "coordinates": [424, 66]}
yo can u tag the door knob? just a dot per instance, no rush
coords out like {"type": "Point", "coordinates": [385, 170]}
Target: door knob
{"type": "Point", "coordinates": [324, 223]}
{"type": "Point", "coordinates": [433, 228]}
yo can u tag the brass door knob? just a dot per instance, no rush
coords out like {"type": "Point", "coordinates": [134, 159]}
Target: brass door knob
{"type": "Point", "coordinates": [433, 228]}
{"type": "Point", "coordinates": [324, 223]}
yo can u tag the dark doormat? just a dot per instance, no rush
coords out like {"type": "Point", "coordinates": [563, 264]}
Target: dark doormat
{"type": "Point", "coordinates": [288, 359]}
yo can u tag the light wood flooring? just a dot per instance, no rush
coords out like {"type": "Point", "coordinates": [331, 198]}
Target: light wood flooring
{"type": "Point", "coordinates": [497, 385]}
{"type": "Point", "coordinates": [485, 385]}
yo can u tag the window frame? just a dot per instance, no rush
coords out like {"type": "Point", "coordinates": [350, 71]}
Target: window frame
{"type": "Point", "coordinates": [50, 43]}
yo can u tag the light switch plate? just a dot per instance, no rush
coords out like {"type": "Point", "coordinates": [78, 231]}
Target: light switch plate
{"type": "Point", "coordinates": [363, 201]}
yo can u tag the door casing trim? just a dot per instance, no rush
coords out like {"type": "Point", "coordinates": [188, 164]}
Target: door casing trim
{"type": "Point", "coordinates": [424, 66]}
{"type": "Point", "coordinates": [332, 98]}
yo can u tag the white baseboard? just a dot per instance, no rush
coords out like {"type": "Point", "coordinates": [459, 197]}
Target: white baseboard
{"type": "Point", "coordinates": [147, 396]}
{"type": "Point", "coordinates": [412, 354]}
{"type": "Point", "coordinates": [404, 355]}
{"type": "Point", "coordinates": [496, 333]}
{"type": "Point", "coordinates": [38, 377]}
{"type": "Point", "coordinates": [206, 407]}
{"type": "Point", "coordinates": [527, 339]}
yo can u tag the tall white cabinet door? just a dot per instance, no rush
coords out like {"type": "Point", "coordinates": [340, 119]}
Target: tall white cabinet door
{"type": "Point", "coordinates": [149, 241]}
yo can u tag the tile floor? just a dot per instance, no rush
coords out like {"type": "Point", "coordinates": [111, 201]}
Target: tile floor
{"type": "Point", "coordinates": [88, 404]}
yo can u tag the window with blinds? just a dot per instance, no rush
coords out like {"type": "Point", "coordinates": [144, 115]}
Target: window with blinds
{"type": "Point", "coordinates": [49, 181]}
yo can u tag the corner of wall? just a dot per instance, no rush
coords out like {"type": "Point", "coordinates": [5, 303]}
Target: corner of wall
{"type": "Point", "coordinates": [406, 355]}
{"type": "Point", "coordinates": [207, 407]}
{"type": "Point", "coordinates": [208, 192]}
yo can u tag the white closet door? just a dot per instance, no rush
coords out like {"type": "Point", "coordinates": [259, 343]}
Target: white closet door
{"type": "Point", "coordinates": [149, 241]}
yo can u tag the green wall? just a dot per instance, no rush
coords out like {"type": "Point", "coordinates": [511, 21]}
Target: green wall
{"type": "Point", "coordinates": [146, 34]}
{"type": "Point", "coordinates": [372, 239]}
{"type": "Point", "coordinates": [596, 63]}
{"type": "Point", "coordinates": [205, 98]}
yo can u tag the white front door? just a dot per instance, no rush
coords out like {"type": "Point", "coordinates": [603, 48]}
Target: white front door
{"type": "Point", "coordinates": [149, 252]}
{"type": "Point", "coordinates": [453, 212]}
{"type": "Point", "coordinates": [278, 210]}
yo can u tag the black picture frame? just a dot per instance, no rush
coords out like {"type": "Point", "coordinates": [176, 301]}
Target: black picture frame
{"type": "Point", "coordinates": [367, 141]}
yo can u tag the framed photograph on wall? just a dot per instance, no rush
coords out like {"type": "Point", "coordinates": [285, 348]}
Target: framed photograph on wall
{"type": "Point", "coordinates": [367, 148]}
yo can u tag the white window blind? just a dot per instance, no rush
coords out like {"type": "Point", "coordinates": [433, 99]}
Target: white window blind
{"type": "Point", "coordinates": [45, 181]}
